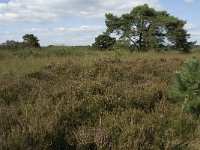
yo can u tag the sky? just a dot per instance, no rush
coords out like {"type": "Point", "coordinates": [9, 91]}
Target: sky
{"type": "Point", "coordinates": [78, 22]}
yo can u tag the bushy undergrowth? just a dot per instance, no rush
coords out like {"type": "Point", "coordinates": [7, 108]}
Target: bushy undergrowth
{"type": "Point", "coordinates": [186, 87]}
{"type": "Point", "coordinates": [110, 104]}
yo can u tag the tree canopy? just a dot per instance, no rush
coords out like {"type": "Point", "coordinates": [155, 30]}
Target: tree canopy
{"type": "Point", "coordinates": [31, 41]}
{"type": "Point", "coordinates": [145, 28]}
{"type": "Point", "coordinates": [10, 44]}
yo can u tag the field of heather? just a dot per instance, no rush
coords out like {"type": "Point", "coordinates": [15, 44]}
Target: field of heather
{"type": "Point", "coordinates": [77, 98]}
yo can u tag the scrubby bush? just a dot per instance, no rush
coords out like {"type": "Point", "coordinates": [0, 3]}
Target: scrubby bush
{"type": "Point", "coordinates": [186, 87]}
{"type": "Point", "coordinates": [104, 41]}
{"type": "Point", "coordinates": [165, 128]}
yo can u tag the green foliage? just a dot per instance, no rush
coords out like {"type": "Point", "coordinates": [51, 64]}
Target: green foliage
{"type": "Point", "coordinates": [31, 41]}
{"type": "Point", "coordinates": [11, 45]}
{"type": "Point", "coordinates": [148, 29]}
{"type": "Point", "coordinates": [104, 41]}
{"type": "Point", "coordinates": [186, 87]}
{"type": "Point", "coordinates": [121, 45]}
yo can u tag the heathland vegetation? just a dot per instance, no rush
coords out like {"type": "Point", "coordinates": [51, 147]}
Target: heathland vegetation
{"type": "Point", "coordinates": [102, 97]}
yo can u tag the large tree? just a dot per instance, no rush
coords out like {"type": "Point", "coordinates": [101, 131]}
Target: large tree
{"type": "Point", "coordinates": [31, 41]}
{"type": "Point", "coordinates": [147, 28]}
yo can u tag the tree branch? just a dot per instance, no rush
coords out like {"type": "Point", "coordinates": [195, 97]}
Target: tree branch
{"type": "Point", "coordinates": [135, 44]}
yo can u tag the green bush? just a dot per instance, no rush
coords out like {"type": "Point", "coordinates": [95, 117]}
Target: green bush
{"type": "Point", "coordinates": [186, 87]}
{"type": "Point", "coordinates": [104, 42]}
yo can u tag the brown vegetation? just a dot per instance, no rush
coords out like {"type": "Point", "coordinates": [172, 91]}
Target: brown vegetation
{"type": "Point", "coordinates": [111, 102]}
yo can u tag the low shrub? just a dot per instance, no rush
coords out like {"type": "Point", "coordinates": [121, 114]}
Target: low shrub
{"type": "Point", "coordinates": [186, 86]}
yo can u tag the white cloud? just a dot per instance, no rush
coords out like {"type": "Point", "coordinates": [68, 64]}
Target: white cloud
{"type": "Point", "coordinates": [190, 26]}
{"type": "Point", "coordinates": [51, 10]}
{"type": "Point", "coordinates": [189, 1]}
{"type": "Point", "coordinates": [196, 36]}
{"type": "Point", "coordinates": [194, 32]}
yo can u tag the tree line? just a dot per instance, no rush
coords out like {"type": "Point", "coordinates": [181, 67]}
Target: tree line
{"type": "Point", "coordinates": [144, 28]}
{"type": "Point", "coordinates": [29, 40]}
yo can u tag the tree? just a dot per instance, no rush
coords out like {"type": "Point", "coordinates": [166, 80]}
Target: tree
{"type": "Point", "coordinates": [104, 41]}
{"type": "Point", "coordinates": [31, 41]}
{"type": "Point", "coordinates": [186, 86]}
{"type": "Point", "coordinates": [146, 28]}
{"type": "Point", "coordinates": [11, 45]}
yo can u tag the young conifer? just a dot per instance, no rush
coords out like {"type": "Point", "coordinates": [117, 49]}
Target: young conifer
{"type": "Point", "coordinates": [186, 87]}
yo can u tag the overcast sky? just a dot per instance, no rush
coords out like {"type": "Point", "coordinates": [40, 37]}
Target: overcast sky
{"type": "Point", "coordinates": [78, 22]}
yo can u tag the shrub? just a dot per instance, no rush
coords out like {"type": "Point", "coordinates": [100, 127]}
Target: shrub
{"type": "Point", "coordinates": [186, 86]}
{"type": "Point", "coordinates": [165, 128]}
{"type": "Point", "coordinates": [104, 42]}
